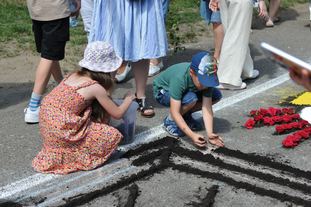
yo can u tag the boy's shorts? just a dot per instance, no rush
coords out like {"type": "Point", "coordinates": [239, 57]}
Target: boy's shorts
{"type": "Point", "coordinates": [51, 37]}
{"type": "Point", "coordinates": [163, 97]}
{"type": "Point", "coordinates": [207, 14]}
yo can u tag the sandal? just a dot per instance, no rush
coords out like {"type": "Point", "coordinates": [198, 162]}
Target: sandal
{"type": "Point", "coordinates": [269, 23]}
{"type": "Point", "coordinates": [142, 107]}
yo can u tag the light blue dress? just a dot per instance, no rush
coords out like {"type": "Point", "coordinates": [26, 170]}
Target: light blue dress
{"type": "Point", "coordinates": [135, 28]}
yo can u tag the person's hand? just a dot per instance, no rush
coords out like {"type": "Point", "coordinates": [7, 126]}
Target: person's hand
{"type": "Point", "coordinates": [77, 11]}
{"type": "Point", "coordinates": [262, 9]}
{"type": "Point", "coordinates": [302, 77]}
{"type": "Point", "coordinates": [199, 140]}
{"type": "Point", "coordinates": [215, 139]}
{"type": "Point", "coordinates": [214, 5]}
{"type": "Point", "coordinates": [129, 96]}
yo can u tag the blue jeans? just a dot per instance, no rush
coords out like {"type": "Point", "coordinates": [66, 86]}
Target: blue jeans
{"type": "Point", "coordinates": [163, 97]}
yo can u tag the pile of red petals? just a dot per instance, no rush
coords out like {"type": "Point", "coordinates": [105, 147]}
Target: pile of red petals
{"type": "Point", "coordinates": [287, 120]}
{"type": "Point", "coordinates": [294, 139]}
{"type": "Point", "coordinates": [283, 128]}
{"type": "Point", "coordinates": [270, 117]}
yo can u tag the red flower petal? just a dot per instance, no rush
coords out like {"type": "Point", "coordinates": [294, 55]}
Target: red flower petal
{"type": "Point", "coordinates": [249, 124]}
{"type": "Point", "coordinates": [263, 111]}
{"type": "Point", "coordinates": [253, 112]}
{"type": "Point", "coordinates": [258, 118]}
{"type": "Point", "coordinates": [272, 111]}
{"type": "Point", "coordinates": [287, 142]}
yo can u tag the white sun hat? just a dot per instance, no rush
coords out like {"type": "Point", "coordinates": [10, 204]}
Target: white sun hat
{"type": "Point", "coordinates": [99, 56]}
{"type": "Point", "coordinates": [305, 114]}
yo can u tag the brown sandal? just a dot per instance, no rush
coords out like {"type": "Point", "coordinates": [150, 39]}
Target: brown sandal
{"type": "Point", "coordinates": [142, 107]}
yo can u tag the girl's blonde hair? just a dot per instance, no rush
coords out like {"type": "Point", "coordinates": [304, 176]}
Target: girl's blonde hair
{"type": "Point", "coordinates": [99, 114]}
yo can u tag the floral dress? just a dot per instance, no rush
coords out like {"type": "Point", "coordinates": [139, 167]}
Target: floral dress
{"type": "Point", "coordinates": [71, 141]}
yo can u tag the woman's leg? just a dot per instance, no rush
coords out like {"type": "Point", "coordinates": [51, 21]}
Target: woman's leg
{"type": "Point", "coordinates": [218, 38]}
{"type": "Point", "coordinates": [273, 10]}
{"type": "Point", "coordinates": [140, 70]}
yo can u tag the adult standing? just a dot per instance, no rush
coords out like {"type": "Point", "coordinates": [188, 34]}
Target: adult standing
{"type": "Point", "coordinates": [236, 63]}
{"type": "Point", "coordinates": [50, 24]}
{"type": "Point", "coordinates": [156, 65]}
{"type": "Point", "coordinates": [136, 30]}
{"type": "Point", "coordinates": [214, 18]}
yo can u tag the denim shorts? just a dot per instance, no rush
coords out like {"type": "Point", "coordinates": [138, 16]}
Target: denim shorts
{"type": "Point", "coordinates": [207, 14]}
{"type": "Point", "coordinates": [163, 97]}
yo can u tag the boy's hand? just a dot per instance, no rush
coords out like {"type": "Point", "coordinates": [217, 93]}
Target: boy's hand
{"type": "Point", "coordinates": [199, 140]}
{"type": "Point", "coordinates": [215, 139]}
{"type": "Point", "coordinates": [214, 5]}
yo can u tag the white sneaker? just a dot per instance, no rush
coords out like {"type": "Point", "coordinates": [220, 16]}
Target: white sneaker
{"type": "Point", "coordinates": [255, 75]}
{"type": "Point", "coordinates": [224, 86]}
{"type": "Point", "coordinates": [120, 77]}
{"type": "Point", "coordinates": [154, 69]}
{"type": "Point", "coordinates": [31, 117]}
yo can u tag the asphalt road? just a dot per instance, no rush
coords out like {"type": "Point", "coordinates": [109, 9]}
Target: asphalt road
{"type": "Point", "coordinates": [19, 142]}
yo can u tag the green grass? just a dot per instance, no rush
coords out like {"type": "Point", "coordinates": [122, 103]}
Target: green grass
{"type": "Point", "coordinates": [16, 34]}
{"type": "Point", "coordinates": [289, 3]}
{"type": "Point", "coordinates": [14, 21]}
{"type": "Point", "coordinates": [16, 29]}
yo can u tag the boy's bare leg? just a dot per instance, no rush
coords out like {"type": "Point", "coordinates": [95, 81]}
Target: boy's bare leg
{"type": "Point", "coordinates": [189, 107]}
{"type": "Point", "coordinates": [56, 72]}
{"type": "Point", "coordinates": [197, 106]}
{"type": "Point", "coordinates": [43, 75]}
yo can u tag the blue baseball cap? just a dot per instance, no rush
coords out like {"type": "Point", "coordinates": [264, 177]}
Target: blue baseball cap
{"type": "Point", "coordinates": [205, 67]}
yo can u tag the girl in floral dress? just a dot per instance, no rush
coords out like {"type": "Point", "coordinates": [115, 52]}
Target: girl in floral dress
{"type": "Point", "coordinates": [74, 137]}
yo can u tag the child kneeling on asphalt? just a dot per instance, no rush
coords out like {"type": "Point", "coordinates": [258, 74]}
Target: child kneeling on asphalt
{"type": "Point", "coordinates": [186, 88]}
{"type": "Point", "coordinates": [74, 116]}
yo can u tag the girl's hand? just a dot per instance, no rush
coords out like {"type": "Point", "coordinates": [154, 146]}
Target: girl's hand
{"type": "Point", "coordinates": [214, 5]}
{"type": "Point", "coordinates": [215, 139]}
{"type": "Point", "coordinates": [262, 9]}
{"type": "Point", "coordinates": [199, 140]}
{"type": "Point", "coordinates": [129, 96]}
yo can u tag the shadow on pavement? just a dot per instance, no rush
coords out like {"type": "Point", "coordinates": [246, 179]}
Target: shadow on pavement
{"type": "Point", "coordinates": [14, 93]}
